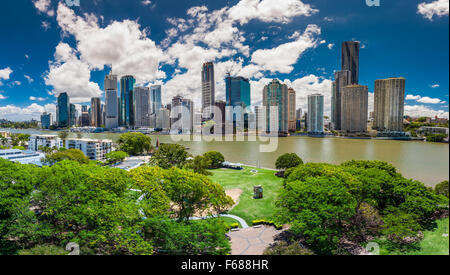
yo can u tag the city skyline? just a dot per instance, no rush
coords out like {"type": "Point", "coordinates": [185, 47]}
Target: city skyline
{"type": "Point", "coordinates": [308, 69]}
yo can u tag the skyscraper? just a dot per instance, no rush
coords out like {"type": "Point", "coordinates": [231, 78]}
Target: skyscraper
{"type": "Point", "coordinates": [350, 60]}
{"type": "Point", "coordinates": [315, 114]}
{"type": "Point", "coordinates": [155, 98]}
{"type": "Point", "coordinates": [96, 115]}
{"type": "Point", "coordinates": [275, 94]}
{"type": "Point", "coordinates": [73, 115]}
{"type": "Point", "coordinates": [127, 101]}
{"type": "Point", "coordinates": [63, 111]}
{"type": "Point", "coordinates": [292, 110]}
{"type": "Point", "coordinates": [355, 104]}
{"type": "Point", "coordinates": [142, 106]}
{"type": "Point", "coordinates": [182, 108]}
{"type": "Point", "coordinates": [208, 86]}
{"type": "Point", "coordinates": [342, 79]}
{"type": "Point", "coordinates": [111, 98]}
{"type": "Point", "coordinates": [389, 104]}
{"type": "Point", "coordinates": [237, 91]}
{"type": "Point", "coordinates": [46, 120]}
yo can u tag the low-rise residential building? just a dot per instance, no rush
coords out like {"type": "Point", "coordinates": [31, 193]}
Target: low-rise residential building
{"type": "Point", "coordinates": [94, 149]}
{"type": "Point", "coordinates": [23, 157]}
{"type": "Point", "coordinates": [51, 141]}
{"type": "Point", "coordinates": [423, 131]}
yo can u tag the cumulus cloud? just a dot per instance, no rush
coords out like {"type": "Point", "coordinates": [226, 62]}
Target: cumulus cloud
{"type": "Point", "coordinates": [5, 73]}
{"type": "Point", "coordinates": [29, 79]}
{"type": "Point", "coordinates": [32, 98]}
{"type": "Point", "coordinates": [437, 8]}
{"type": "Point", "coordinates": [435, 86]}
{"type": "Point", "coordinates": [44, 6]}
{"type": "Point", "coordinates": [33, 111]}
{"type": "Point", "coordinates": [282, 58]}
{"type": "Point", "coordinates": [425, 99]}
{"type": "Point", "coordinates": [281, 11]}
{"type": "Point", "coordinates": [423, 111]}
{"type": "Point", "coordinates": [70, 74]}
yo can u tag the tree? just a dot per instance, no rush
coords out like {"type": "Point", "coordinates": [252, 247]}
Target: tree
{"type": "Point", "coordinates": [288, 161]}
{"type": "Point", "coordinates": [79, 135]}
{"type": "Point", "coordinates": [442, 188]}
{"type": "Point", "coordinates": [135, 143]}
{"type": "Point", "coordinates": [63, 135]}
{"type": "Point", "coordinates": [200, 165]}
{"type": "Point", "coordinates": [70, 154]}
{"type": "Point", "coordinates": [3, 140]}
{"type": "Point", "coordinates": [216, 159]}
{"type": "Point", "coordinates": [170, 155]}
{"type": "Point", "coordinates": [317, 208]}
{"type": "Point", "coordinates": [16, 184]}
{"type": "Point", "coordinates": [23, 138]}
{"type": "Point", "coordinates": [115, 157]}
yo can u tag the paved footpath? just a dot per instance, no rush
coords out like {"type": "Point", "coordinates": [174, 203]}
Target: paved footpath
{"type": "Point", "coordinates": [252, 241]}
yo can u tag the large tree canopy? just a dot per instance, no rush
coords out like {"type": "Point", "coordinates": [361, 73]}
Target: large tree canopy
{"type": "Point", "coordinates": [135, 143]}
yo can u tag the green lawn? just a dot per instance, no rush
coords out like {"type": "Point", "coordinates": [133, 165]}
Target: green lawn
{"type": "Point", "coordinates": [248, 208]}
{"type": "Point", "coordinates": [432, 244]}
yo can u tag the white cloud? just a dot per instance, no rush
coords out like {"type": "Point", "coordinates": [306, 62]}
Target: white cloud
{"type": "Point", "coordinates": [45, 25]}
{"type": "Point", "coordinates": [5, 73]}
{"type": "Point", "coordinates": [426, 99]}
{"type": "Point", "coordinates": [435, 86]}
{"type": "Point", "coordinates": [282, 58]}
{"type": "Point", "coordinates": [29, 79]}
{"type": "Point", "coordinates": [330, 46]}
{"type": "Point", "coordinates": [423, 111]}
{"type": "Point", "coordinates": [2, 96]}
{"type": "Point", "coordinates": [32, 98]}
{"type": "Point", "coordinates": [437, 8]}
{"type": "Point", "coordinates": [281, 11]}
{"type": "Point", "coordinates": [44, 6]}
{"type": "Point", "coordinates": [33, 111]}
{"type": "Point", "coordinates": [70, 74]}
{"type": "Point", "coordinates": [122, 44]}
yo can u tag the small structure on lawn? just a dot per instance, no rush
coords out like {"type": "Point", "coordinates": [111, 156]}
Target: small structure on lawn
{"type": "Point", "coordinates": [258, 190]}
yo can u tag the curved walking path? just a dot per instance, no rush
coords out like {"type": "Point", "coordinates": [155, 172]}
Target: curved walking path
{"type": "Point", "coordinates": [239, 219]}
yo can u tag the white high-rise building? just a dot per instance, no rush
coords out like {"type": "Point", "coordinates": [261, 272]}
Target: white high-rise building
{"type": "Point", "coordinates": [163, 119]}
{"type": "Point", "coordinates": [111, 100]}
{"type": "Point", "coordinates": [315, 114]}
{"type": "Point", "coordinates": [50, 141]}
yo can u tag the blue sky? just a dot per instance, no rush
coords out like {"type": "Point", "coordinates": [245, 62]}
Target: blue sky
{"type": "Point", "coordinates": [48, 47]}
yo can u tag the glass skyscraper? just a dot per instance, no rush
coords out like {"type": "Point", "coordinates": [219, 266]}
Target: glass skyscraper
{"type": "Point", "coordinates": [315, 114]}
{"type": "Point", "coordinates": [127, 101]}
{"type": "Point", "coordinates": [276, 95]}
{"type": "Point", "coordinates": [237, 91]}
{"type": "Point", "coordinates": [155, 98]}
{"type": "Point", "coordinates": [63, 111]}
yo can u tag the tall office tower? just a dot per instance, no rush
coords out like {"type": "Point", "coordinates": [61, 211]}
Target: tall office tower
{"type": "Point", "coordinates": [292, 110]}
{"type": "Point", "coordinates": [155, 98]}
{"type": "Point", "coordinates": [260, 118]}
{"type": "Point", "coordinates": [350, 60]}
{"type": "Point", "coordinates": [85, 119]}
{"type": "Point", "coordinates": [112, 108]}
{"type": "Point", "coordinates": [342, 79]}
{"type": "Point", "coordinates": [142, 107]}
{"type": "Point", "coordinates": [46, 120]}
{"type": "Point", "coordinates": [182, 108]}
{"type": "Point", "coordinates": [63, 111]}
{"type": "Point", "coordinates": [237, 91]}
{"type": "Point", "coordinates": [208, 93]}
{"type": "Point", "coordinates": [73, 115]}
{"type": "Point", "coordinates": [355, 105]}
{"type": "Point", "coordinates": [127, 101]}
{"type": "Point", "coordinates": [220, 119]}
{"type": "Point", "coordinates": [96, 115]}
{"type": "Point", "coordinates": [389, 104]}
{"type": "Point", "coordinates": [275, 94]}
{"type": "Point", "coordinates": [315, 114]}
{"type": "Point", "coordinates": [298, 117]}
{"type": "Point", "coordinates": [84, 109]}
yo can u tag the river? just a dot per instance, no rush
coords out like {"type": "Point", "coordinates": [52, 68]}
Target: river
{"type": "Point", "coordinates": [419, 160]}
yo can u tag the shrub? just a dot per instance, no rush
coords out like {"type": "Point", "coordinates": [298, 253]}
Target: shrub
{"type": "Point", "coordinates": [288, 161]}
{"type": "Point", "coordinates": [216, 159]}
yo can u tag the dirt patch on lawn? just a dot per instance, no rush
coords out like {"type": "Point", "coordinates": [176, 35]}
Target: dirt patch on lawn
{"type": "Point", "coordinates": [235, 194]}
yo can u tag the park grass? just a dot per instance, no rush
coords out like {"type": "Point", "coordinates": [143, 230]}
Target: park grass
{"type": "Point", "coordinates": [432, 244]}
{"type": "Point", "coordinates": [248, 208]}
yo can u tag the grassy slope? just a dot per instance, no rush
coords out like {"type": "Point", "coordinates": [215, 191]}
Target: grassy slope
{"type": "Point", "coordinates": [248, 208]}
{"type": "Point", "coordinates": [433, 242]}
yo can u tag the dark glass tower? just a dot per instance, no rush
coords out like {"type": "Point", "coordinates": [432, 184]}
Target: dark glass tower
{"type": "Point", "coordinates": [237, 91]}
{"type": "Point", "coordinates": [350, 60]}
{"type": "Point", "coordinates": [63, 111]}
{"type": "Point", "coordinates": [127, 101]}
{"type": "Point", "coordinates": [208, 88]}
